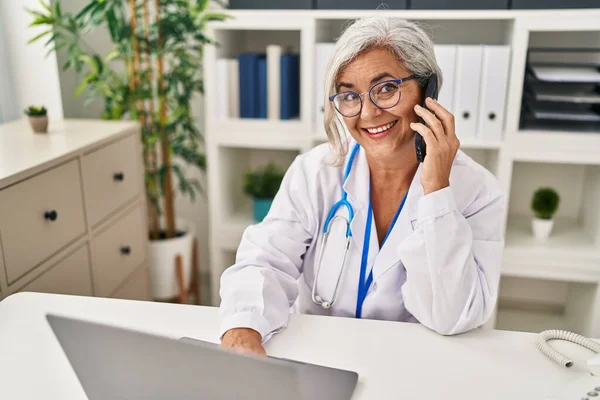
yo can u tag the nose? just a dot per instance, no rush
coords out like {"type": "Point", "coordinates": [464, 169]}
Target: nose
{"type": "Point", "coordinates": [369, 110]}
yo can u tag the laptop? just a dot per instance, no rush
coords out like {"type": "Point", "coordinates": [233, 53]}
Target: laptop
{"type": "Point", "coordinates": [113, 363]}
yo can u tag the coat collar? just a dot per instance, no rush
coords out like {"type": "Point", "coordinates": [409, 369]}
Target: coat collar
{"type": "Point", "coordinates": [357, 189]}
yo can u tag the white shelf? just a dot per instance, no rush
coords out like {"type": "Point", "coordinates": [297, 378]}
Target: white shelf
{"type": "Point", "coordinates": [260, 125]}
{"type": "Point", "coordinates": [570, 254]}
{"type": "Point", "coordinates": [557, 146]}
{"type": "Point", "coordinates": [264, 140]}
{"type": "Point", "coordinates": [477, 144]}
{"type": "Point", "coordinates": [464, 15]}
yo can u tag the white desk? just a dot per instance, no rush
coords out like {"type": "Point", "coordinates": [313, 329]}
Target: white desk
{"type": "Point", "coordinates": [394, 360]}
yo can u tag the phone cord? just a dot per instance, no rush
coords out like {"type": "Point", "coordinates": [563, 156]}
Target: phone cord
{"type": "Point", "coordinates": [553, 334]}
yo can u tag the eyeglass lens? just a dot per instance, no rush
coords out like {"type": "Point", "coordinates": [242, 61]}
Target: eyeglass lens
{"type": "Point", "coordinates": [384, 95]}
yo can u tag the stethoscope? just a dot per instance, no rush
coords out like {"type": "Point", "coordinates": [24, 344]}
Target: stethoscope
{"type": "Point", "coordinates": [363, 286]}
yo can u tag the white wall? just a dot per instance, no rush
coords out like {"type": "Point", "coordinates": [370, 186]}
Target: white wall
{"type": "Point", "coordinates": [34, 76]}
{"type": "Point", "coordinates": [8, 111]}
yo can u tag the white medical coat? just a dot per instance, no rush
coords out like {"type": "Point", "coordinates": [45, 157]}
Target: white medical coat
{"type": "Point", "coordinates": [440, 265]}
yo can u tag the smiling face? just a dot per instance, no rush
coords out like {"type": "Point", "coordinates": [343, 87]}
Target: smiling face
{"type": "Point", "coordinates": [383, 133]}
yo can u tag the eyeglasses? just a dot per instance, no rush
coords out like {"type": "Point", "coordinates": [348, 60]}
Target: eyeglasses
{"type": "Point", "coordinates": [383, 95]}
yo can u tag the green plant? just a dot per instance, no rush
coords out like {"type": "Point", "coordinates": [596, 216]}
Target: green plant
{"type": "Point", "coordinates": [545, 202]}
{"type": "Point", "coordinates": [35, 111]}
{"type": "Point", "coordinates": [263, 183]}
{"type": "Point", "coordinates": [152, 75]}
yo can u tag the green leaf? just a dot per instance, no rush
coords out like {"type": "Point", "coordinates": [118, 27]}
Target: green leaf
{"type": "Point", "coordinates": [81, 88]}
{"type": "Point", "coordinates": [85, 10]}
{"type": "Point", "coordinates": [46, 5]}
{"type": "Point", "coordinates": [113, 24]}
{"type": "Point", "coordinates": [214, 16]}
{"type": "Point", "coordinates": [112, 55]}
{"type": "Point", "coordinates": [39, 36]}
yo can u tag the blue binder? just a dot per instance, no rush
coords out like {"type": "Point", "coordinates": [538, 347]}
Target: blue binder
{"type": "Point", "coordinates": [290, 86]}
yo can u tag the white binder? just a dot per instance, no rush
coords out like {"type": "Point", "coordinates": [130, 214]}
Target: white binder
{"type": "Point", "coordinates": [446, 59]}
{"type": "Point", "coordinates": [466, 95]}
{"type": "Point", "coordinates": [223, 97]}
{"type": "Point", "coordinates": [233, 88]}
{"type": "Point", "coordinates": [273, 81]}
{"type": "Point", "coordinates": [322, 54]}
{"type": "Point", "coordinates": [494, 82]}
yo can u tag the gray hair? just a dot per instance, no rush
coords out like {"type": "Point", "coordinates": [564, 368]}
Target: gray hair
{"type": "Point", "coordinates": [405, 39]}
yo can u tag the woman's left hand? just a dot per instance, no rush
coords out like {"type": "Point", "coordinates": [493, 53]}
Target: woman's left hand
{"type": "Point", "coordinates": [442, 145]}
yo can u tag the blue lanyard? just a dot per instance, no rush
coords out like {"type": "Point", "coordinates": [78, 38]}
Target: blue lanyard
{"type": "Point", "coordinates": [363, 287]}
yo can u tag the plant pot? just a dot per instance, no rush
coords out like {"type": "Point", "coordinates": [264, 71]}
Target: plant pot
{"type": "Point", "coordinates": [39, 124]}
{"type": "Point", "coordinates": [261, 208]}
{"type": "Point", "coordinates": [541, 228]}
{"type": "Point", "coordinates": [162, 254]}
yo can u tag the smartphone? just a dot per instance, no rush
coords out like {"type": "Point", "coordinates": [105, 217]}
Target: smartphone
{"type": "Point", "coordinates": [430, 91]}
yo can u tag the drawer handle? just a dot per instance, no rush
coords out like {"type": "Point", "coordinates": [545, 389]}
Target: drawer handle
{"type": "Point", "coordinates": [51, 215]}
{"type": "Point", "coordinates": [125, 250]}
{"type": "Point", "coordinates": [119, 177]}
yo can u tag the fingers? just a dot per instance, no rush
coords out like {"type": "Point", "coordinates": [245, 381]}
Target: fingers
{"type": "Point", "coordinates": [432, 122]}
{"type": "Point", "coordinates": [428, 136]}
{"type": "Point", "coordinates": [243, 341]}
{"type": "Point", "coordinates": [443, 115]}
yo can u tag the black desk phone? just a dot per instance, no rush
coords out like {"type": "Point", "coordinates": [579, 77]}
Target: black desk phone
{"type": "Point", "coordinates": [430, 91]}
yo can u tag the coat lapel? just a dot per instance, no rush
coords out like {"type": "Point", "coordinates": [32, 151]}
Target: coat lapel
{"type": "Point", "coordinates": [389, 253]}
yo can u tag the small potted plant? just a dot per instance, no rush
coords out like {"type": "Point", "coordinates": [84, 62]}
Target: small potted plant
{"type": "Point", "coordinates": [262, 185]}
{"type": "Point", "coordinates": [38, 118]}
{"type": "Point", "coordinates": [544, 205]}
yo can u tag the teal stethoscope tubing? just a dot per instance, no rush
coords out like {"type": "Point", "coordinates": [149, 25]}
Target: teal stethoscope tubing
{"type": "Point", "coordinates": [363, 285]}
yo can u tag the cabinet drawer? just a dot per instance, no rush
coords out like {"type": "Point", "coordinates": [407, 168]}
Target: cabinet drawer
{"type": "Point", "coordinates": [70, 276]}
{"type": "Point", "coordinates": [137, 286]}
{"type": "Point", "coordinates": [39, 216]}
{"type": "Point", "coordinates": [117, 251]}
{"type": "Point", "coordinates": [111, 177]}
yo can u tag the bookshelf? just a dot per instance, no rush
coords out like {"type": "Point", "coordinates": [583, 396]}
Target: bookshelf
{"type": "Point", "coordinates": [522, 159]}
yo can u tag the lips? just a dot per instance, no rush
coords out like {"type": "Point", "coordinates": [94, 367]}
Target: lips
{"type": "Point", "coordinates": [380, 129]}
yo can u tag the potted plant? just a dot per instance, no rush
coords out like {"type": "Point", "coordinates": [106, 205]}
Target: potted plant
{"type": "Point", "coordinates": [152, 75]}
{"type": "Point", "coordinates": [262, 185]}
{"type": "Point", "coordinates": [544, 204]}
{"type": "Point", "coordinates": [38, 118]}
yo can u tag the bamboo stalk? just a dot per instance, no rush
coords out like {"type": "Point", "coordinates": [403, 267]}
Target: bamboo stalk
{"type": "Point", "coordinates": [151, 156]}
{"type": "Point", "coordinates": [136, 59]}
{"type": "Point", "coordinates": [169, 209]}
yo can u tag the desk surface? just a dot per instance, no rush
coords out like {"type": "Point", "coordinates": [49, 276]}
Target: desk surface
{"type": "Point", "coordinates": [394, 360]}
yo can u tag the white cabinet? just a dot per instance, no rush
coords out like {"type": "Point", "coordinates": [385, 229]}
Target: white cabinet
{"type": "Point", "coordinates": [72, 210]}
{"type": "Point", "coordinates": [556, 284]}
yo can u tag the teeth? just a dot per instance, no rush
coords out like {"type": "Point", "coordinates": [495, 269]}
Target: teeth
{"type": "Point", "coordinates": [381, 128]}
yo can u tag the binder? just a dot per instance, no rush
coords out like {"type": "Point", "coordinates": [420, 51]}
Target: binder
{"type": "Point", "coordinates": [248, 83]}
{"type": "Point", "coordinates": [273, 81]}
{"type": "Point", "coordinates": [223, 93]}
{"type": "Point", "coordinates": [446, 59]}
{"type": "Point", "coordinates": [233, 88]}
{"type": "Point", "coordinates": [322, 54]}
{"type": "Point", "coordinates": [290, 86]}
{"type": "Point", "coordinates": [262, 88]}
{"type": "Point", "coordinates": [494, 82]}
{"type": "Point", "coordinates": [466, 95]}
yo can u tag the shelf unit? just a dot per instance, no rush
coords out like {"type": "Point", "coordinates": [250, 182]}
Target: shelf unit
{"type": "Point", "coordinates": [569, 263]}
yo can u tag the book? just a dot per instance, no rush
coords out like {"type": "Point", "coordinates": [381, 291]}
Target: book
{"type": "Point", "coordinates": [261, 97]}
{"type": "Point", "coordinates": [290, 86]}
{"type": "Point", "coordinates": [273, 81]}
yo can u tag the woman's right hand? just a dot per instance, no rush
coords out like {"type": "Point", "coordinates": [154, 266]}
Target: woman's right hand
{"type": "Point", "coordinates": [243, 340]}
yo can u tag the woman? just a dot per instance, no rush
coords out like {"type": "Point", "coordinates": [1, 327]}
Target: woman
{"type": "Point", "coordinates": [426, 238]}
